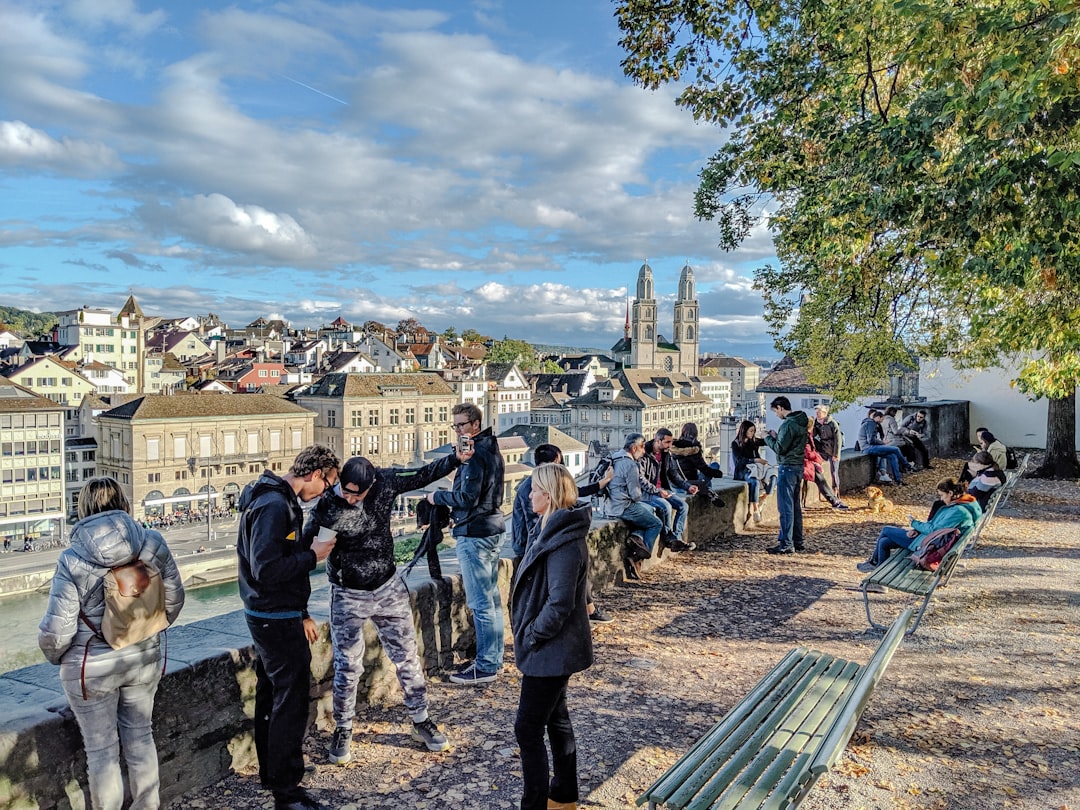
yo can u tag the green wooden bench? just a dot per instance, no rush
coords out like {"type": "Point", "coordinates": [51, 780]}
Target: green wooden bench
{"type": "Point", "coordinates": [770, 749]}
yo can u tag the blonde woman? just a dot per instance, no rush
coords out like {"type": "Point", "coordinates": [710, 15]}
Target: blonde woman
{"type": "Point", "coordinates": [111, 692]}
{"type": "Point", "coordinates": [552, 639]}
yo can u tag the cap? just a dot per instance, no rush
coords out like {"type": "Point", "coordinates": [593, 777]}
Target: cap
{"type": "Point", "coordinates": [357, 475]}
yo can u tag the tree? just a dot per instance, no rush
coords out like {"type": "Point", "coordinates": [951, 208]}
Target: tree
{"type": "Point", "coordinates": [509, 350]}
{"type": "Point", "coordinates": [471, 336]}
{"type": "Point", "coordinates": [450, 335]}
{"type": "Point", "coordinates": [919, 160]}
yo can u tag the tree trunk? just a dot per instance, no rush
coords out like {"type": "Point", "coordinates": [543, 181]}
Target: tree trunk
{"type": "Point", "coordinates": [1061, 461]}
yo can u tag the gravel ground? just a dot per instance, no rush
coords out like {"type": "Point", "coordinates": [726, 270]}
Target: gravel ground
{"type": "Point", "coordinates": [979, 710]}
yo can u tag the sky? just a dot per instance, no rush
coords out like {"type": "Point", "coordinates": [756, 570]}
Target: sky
{"type": "Point", "coordinates": [477, 164]}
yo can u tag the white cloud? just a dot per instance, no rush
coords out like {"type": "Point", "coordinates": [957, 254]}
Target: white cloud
{"type": "Point", "coordinates": [26, 148]}
{"type": "Point", "coordinates": [217, 221]}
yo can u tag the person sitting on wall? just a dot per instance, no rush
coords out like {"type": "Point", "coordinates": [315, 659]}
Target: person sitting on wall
{"type": "Point", "coordinates": [628, 503]}
{"type": "Point", "coordinates": [872, 443]}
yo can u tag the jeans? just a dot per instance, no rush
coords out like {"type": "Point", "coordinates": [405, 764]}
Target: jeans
{"type": "Point", "coordinates": [891, 537]}
{"type": "Point", "coordinates": [834, 473]}
{"type": "Point", "coordinates": [282, 686]}
{"type": "Point", "coordinates": [824, 489]}
{"type": "Point", "coordinates": [893, 457]}
{"type": "Point", "coordinates": [479, 560]}
{"type": "Point", "coordinates": [788, 479]}
{"type": "Point", "coordinates": [390, 611]}
{"type": "Point", "coordinates": [675, 511]}
{"type": "Point", "coordinates": [751, 480]}
{"type": "Point", "coordinates": [542, 706]}
{"type": "Point", "coordinates": [108, 718]}
{"type": "Point", "coordinates": [641, 516]}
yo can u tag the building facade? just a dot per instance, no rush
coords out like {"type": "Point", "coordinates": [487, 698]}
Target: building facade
{"type": "Point", "coordinates": [643, 347]}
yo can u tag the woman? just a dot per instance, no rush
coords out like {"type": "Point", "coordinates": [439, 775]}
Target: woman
{"type": "Point", "coordinates": [687, 452]}
{"type": "Point", "coordinates": [814, 472]}
{"type": "Point", "coordinates": [986, 476]}
{"type": "Point", "coordinates": [108, 688]}
{"type": "Point", "coordinates": [552, 639]}
{"type": "Point", "coordinates": [959, 511]}
{"type": "Point", "coordinates": [744, 452]}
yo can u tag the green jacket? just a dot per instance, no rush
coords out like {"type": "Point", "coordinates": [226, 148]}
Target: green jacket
{"type": "Point", "coordinates": [790, 442]}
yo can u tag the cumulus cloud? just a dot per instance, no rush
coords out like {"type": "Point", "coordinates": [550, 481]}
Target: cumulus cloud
{"type": "Point", "coordinates": [216, 220]}
{"type": "Point", "coordinates": [27, 149]}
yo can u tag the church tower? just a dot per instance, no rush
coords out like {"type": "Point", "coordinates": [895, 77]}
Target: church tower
{"type": "Point", "coordinates": [643, 348]}
{"type": "Point", "coordinates": [686, 322]}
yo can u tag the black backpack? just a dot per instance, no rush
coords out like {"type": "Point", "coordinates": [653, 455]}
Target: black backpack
{"type": "Point", "coordinates": [1011, 462]}
{"type": "Point", "coordinates": [599, 472]}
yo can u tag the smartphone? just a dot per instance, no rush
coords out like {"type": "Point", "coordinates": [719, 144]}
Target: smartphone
{"type": "Point", "coordinates": [464, 444]}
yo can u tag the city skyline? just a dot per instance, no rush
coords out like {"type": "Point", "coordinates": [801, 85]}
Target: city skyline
{"type": "Point", "coordinates": [478, 164]}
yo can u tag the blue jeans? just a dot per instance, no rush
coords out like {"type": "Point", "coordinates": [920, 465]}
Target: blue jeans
{"type": "Point", "coordinates": [891, 537]}
{"type": "Point", "coordinates": [111, 716]}
{"type": "Point", "coordinates": [674, 509]}
{"type": "Point", "coordinates": [479, 560]}
{"type": "Point", "coordinates": [788, 480]}
{"type": "Point", "coordinates": [893, 457]}
{"type": "Point", "coordinates": [641, 516]}
{"type": "Point", "coordinates": [751, 480]}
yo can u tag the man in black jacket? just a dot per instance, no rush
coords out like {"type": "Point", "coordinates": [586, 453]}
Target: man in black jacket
{"type": "Point", "coordinates": [274, 567]}
{"type": "Point", "coordinates": [364, 585]}
{"type": "Point", "coordinates": [476, 508]}
{"type": "Point", "coordinates": [660, 474]}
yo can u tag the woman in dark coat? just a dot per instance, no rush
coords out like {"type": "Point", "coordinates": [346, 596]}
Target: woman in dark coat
{"type": "Point", "coordinates": [552, 638]}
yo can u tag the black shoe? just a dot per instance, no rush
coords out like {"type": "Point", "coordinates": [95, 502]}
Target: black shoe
{"type": "Point", "coordinates": [800, 549]}
{"type": "Point", "coordinates": [717, 501]}
{"type": "Point", "coordinates": [297, 800]}
{"type": "Point", "coordinates": [679, 545]}
{"type": "Point", "coordinates": [636, 548]}
{"type": "Point", "coordinates": [779, 550]}
{"type": "Point", "coordinates": [630, 570]}
{"type": "Point", "coordinates": [599, 617]}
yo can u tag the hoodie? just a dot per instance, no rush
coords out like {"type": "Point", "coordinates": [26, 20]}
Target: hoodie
{"type": "Point", "coordinates": [275, 562]}
{"type": "Point", "coordinates": [961, 514]}
{"type": "Point", "coordinates": [790, 442]}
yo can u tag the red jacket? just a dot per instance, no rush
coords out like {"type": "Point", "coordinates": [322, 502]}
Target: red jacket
{"type": "Point", "coordinates": [812, 463]}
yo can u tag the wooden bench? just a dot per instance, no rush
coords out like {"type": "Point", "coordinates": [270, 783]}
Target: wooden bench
{"type": "Point", "coordinates": [771, 748]}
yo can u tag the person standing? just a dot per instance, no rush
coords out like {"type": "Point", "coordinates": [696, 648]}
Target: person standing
{"type": "Point", "coordinates": [829, 442]}
{"type": "Point", "coordinates": [476, 508]}
{"type": "Point", "coordinates": [552, 640]}
{"type": "Point", "coordinates": [111, 692]}
{"type": "Point", "coordinates": [364, 585]}
{"type": "Point", "coordinates": [789, 444]}
{"type": "Point", "coordinates": [274, 566]}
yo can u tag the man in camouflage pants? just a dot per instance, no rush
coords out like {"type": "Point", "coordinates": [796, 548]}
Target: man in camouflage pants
{"type": "Point", "coordinates": [364, 585]}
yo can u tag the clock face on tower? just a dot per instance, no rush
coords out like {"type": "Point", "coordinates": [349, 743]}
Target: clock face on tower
{"type": "Point", "coordinates": [668, 363]}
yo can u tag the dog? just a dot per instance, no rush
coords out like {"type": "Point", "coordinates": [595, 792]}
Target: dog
{"type": "Point", "coordinates": [876, 500]}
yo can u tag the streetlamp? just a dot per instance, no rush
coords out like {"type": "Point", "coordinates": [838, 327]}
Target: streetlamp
{"type": "Point", "coordinates": [208, 464]}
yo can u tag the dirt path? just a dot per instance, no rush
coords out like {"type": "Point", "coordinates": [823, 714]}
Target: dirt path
{"type": "Point", "coordinates": [980, 710]}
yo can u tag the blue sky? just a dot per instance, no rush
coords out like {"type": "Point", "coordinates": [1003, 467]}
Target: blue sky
{"type": "Point", "coordinates": [478, 164]}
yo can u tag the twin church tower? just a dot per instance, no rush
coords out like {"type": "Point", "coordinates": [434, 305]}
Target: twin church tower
{"type": "Point", "coordinates": [643, 347]}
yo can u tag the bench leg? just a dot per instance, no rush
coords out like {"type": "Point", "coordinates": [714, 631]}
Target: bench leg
{"type": "Point", "coordinates": [922, 610]}
{"type": "Point", "coordinates": [866, 604]}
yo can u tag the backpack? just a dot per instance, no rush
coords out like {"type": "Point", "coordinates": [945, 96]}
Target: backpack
{"type": "Point", "coordinates": [599, 472]}
{"type": "Point", "coordinates": [134, 605]}
{"type": "Point", "coordinates": [934, 547]}
{"type": "Point", "coordinates": [1011, 462]}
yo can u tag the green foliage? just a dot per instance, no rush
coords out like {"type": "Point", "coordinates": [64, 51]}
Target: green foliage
{"type": "Point", "coordinates": [25, 324]}
{"type": "Point", "coordinates": [919, 161]}
{"type": "Point", "coordinates": [405, 549]}
{"type": "Point", "coordinates": [471, 336]}
{"type": "Point", "coordinates": [509, 350]}
{"type": "Point", "coordinates": [550, 367]}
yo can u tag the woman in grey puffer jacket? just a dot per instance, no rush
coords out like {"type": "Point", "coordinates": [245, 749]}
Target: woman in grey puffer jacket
{"type": "Point", "coordinates": [108, 688]}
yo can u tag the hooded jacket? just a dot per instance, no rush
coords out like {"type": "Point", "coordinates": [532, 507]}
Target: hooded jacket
{"type": "Point", "coordinates": [790, 441]}
{"type": "Point", "coordinates": [870, 434]}
{"type": "Point", "coordinates": [625, 486]}
{"type": "Point", "coordinates": [961, 514]}
{"type": "Point", "coordinates": [100, 542]}
{"type": "Point", "coordinates": [690, 459]}
{"type": "Point", "coordinates": [275, 562]}
{"type": "Point", "coordinates": [476, 499]}
{"type": "Point", "coordinates": [363, 556]}
{"type": "Point", "coordinates": [663, 473]}
{"type": "Point", "coordinates": [828, 438]}
{"type": "Point", "coordinates": [552, 637]}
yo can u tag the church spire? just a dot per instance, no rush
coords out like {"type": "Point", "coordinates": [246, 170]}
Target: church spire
{"type": "Point", "coordinates": [626, 327]}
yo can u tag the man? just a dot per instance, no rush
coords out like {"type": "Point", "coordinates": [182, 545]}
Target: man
{"type": "Point", "coordinates": [475, 505]}
{"type": "Point", "coordinates": [872, 443]}
{"type": "Point", "coordinates": [274, 567]}
{"type": "Point", "coordinates": [917, 431]}
{"type": "Point", "coordinates": [525, 519]}
{"type": "Point", "coordinates": [829, 442]}
{"type": "Point", "coordinates": [364, 585]}
{"type": "Point", "coordinates": [660, 474]}
{"type": "Point", "coordinates": [789, 444]}
{"type": "Point", "coordinates": [627, 502]}
{"type": "Point", "coordinates": [992, 445]}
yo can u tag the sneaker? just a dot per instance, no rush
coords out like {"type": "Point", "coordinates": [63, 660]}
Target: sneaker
{"type": "Point", "coordinates": [471, 676]}
{"type": "Point", "coordinates": [341, 746]}
{"type": "Point", "coordinates": [680, 545]}
{"type": "Point", "coordinates": [428, 733]}
{"type": "Point", "coordinates": [779, 550]}
{"type": "Point", "coordinates": [866, 567]}
{"type": "Point", "coordinates": [885, 478]}
{"type": "Point", "coordinates": [800, 549]}
{"type": "Point", "coordinates": [599, 617]}
{"type": "Point", "coordinates": [630, 568]}
{"type": "Point", "coordinates": [757, 517]}
{"type": "Point", "coordinates": [840, 505]}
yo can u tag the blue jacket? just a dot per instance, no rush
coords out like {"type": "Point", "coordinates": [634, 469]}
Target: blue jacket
{"type": "Point", "coordinates": [961, 514]}
{"type": "Point", "coordinates": [552, 637]}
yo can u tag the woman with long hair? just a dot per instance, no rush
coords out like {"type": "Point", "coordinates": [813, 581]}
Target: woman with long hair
{"type": "Point", "coordinates": [552, 638]}
{"type": "Point", "coordinates": [688, 454]}
{"type": "Point", "coordinates": [111, 692]}
{"type": "Point", "coordinates": [745, 449]}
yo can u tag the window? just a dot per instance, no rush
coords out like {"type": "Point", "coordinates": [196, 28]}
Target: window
{"type": "Point", "coordinates": [373, 444]}
{"type": "Point", "coordinates": [373, 418]}
{"type": "Point", "coordinates": [181, 475]}
{"type": "Point", "coordinates": [410, 416]}
{"type": "Point", "coordinates": [297, 438]}
{"type": "Point", "coordinates": [605, 416]}
{"type": "Point", "coordinates": [392, 443]}
{"type": "Point", "coordinates": [331, 418]}
{"type": "Point", "coordinates": [252, 443]}
{"type": "Point", "coordinates": [205, 446]}
{"type": "Point", "coordinates": [395, 416]}
{"type": "Point", "coordinates": [275, 441]}
{"type": "Point", "coordinates": [262, 372]}
{"type": "Point", "coordinates": [429, 413]}
{"type": "Point", "coordinates": [153, 449]}
{"type": "Point", "coordinates": [356, 419]}
{"type": "Point", "coordinates": [229, 444]}
{"type": "Point", "coordinates": [88, 455]}
{"type": "Point", "coordinates": [180, 447]}
{"type": "Point", "coordinates": [153, 478]}
{"type": "Point", "coordinates": [444, 413]}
